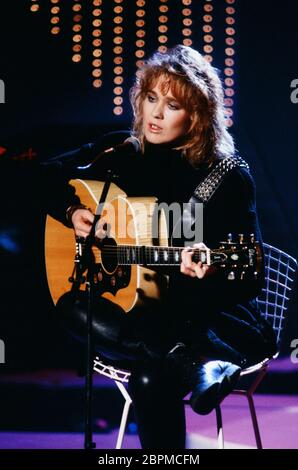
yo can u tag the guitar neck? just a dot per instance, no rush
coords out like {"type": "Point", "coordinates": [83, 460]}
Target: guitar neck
{"type": "Point", "coordinates": [154, 255]}
{"type": "Point", "coordinates": [237, 259]}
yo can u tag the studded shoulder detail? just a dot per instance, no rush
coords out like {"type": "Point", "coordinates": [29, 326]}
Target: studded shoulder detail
{"type": "Point", "coordinates": [210, 184]}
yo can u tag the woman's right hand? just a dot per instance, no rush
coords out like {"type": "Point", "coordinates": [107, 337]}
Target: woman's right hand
{"type": "Point", "coordinates": [82, 220]}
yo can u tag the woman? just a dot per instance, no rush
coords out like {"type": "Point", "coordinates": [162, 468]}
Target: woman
{"type": "Point", "coordinates": [208, 327]}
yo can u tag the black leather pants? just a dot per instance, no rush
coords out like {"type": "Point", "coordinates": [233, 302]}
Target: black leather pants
{"type": "Point", "coordinates": [117, 336]}
{"type": "Point", "coordinates": [158, 407]}
{"type": "Point", "coordinates": [156, 396]}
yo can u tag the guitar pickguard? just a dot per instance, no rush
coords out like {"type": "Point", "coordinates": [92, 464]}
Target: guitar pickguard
{"type": "Point", "coordinates": [109, 275]}
{"type": "Point", "coordinates": [114, 281]}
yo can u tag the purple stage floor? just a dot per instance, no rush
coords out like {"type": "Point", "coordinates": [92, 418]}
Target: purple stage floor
{"type": "Point", "coordinates": [277, 414]}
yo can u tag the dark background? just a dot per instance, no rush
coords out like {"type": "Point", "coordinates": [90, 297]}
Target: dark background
{"type": "Point", "coordinates": [51, 107]}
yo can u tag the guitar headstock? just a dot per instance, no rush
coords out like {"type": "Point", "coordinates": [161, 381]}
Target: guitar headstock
{"type": "Point", "coordinates": [240, 258]}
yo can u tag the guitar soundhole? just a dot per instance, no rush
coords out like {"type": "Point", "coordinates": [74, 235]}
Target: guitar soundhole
{"type": "Point", "coordinates": [111, 277]}
{"type": "Point", "coordinates": [109, 255]}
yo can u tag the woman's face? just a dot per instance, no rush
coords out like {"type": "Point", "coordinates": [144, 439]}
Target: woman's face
{"type": "Point", "coordinates": [164, 119]}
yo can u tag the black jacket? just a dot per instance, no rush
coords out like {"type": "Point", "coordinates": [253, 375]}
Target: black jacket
{"type": "Point", "coordinates": [215, 315]}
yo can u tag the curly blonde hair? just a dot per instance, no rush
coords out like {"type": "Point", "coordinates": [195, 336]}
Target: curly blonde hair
{"type": "Point", "coordinates": [195, 84]}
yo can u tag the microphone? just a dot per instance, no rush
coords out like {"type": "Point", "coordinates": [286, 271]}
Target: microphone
{"type": "Point", "coordinates": [129, 147]}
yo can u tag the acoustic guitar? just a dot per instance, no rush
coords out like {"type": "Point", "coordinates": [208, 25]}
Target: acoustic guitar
{"type": "Point", "coordinates": [131, 261]}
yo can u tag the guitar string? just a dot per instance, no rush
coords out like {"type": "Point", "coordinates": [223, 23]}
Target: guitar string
{"type": "Point", "coordinates": [151, 250]}
{"type": "Point", "coordinates": [171, 249]}
{"type": "Point", "coordinates": [137, 256]}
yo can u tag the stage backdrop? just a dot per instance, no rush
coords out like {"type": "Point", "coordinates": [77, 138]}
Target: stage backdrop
{"type": "Point", "coordinates": [65, 72]}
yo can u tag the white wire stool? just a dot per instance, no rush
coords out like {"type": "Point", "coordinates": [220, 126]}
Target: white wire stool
{"type": "Point", "coordinates": [273, 302]}
{"type": "Point", "coordinates": [280, 269]}
{"type": "Point", "coordinates": [120, 377]}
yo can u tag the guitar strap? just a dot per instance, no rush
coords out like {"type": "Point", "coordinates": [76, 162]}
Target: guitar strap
{"type": "Point", "coordinates": [203, 193]}
{"type": "Point", "coordinates": [205, 190]}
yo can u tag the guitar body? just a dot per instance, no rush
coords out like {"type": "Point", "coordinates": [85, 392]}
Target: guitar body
{"type": "Point", "coordinates": [137, 236]}
{"type": "Point", "coordinates": [130, 223]}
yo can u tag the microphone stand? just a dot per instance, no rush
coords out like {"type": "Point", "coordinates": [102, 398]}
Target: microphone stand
{"type": "Point", "coordinates": [84, 260]}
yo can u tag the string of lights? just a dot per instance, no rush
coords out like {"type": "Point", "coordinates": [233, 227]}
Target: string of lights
{"type": "Point", "coordinates": [77, 31]}
{"type": "Point", "coordinates": [55, 17]}
{"type": "Point", "coordinates": [121, 8]}
{"type": "Point", "coordinates": [162, 25]}
{"type": "Point", "coordinates": [97, 43]}
{"type": "Point", "coordinates": [118, 57]}
{"type": "Point", "coordinates": [140, 32]}
{"type": "Point", "coordinates": [208, 30]}
{"type": "Point", "coordinates": [187, 22]}
{"type": "Point", "coordinates": [229, 60]}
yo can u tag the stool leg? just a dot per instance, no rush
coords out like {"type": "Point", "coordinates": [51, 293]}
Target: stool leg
{"type": "Point", "coordinates": [254, 420]}
{"type": "Point", "coordinates": [125, 412]}
{"type": "Point", "coordinates": [220, 435]}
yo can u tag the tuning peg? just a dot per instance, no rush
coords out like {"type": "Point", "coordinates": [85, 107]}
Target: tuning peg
{"type": "Point", "coordinates": [252, 237]}
{"type": "Point", "coordinates": [242, 275]}
{"type": "Point", "coordinates": [241, 237]}
{"type": "Point", "coordinates": [229, 238]}
{"type": "Point", "coordinates": [231, 276]}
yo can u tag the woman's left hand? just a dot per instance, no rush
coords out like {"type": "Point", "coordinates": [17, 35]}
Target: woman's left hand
{"type": "Point", "coordinates": [192, 269]}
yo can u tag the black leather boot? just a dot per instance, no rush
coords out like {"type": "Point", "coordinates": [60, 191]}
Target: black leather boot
{"type": "Point", "coordinates": [210, 382]}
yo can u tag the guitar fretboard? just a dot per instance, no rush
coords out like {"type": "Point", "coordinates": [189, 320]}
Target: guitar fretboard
{"type": "Point", "coordinates": [151, 256]}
